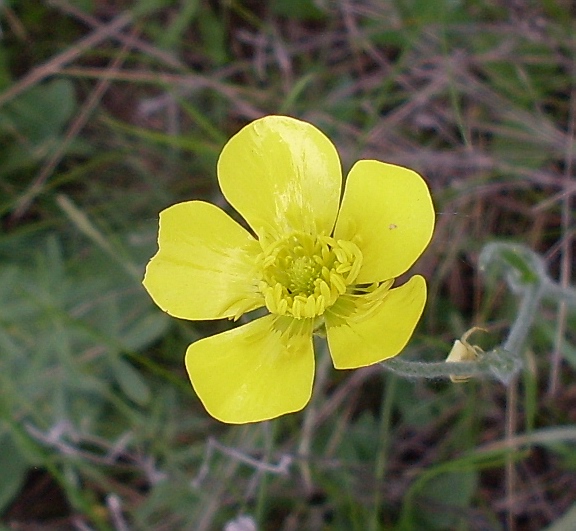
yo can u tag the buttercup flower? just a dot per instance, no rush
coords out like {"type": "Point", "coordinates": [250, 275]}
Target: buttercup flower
{"type": "Point", "coordinates": [311, 260]}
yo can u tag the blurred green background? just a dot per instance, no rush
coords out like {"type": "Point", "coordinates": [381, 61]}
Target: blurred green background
{"type": "Point", "coordinates": [111, 110]}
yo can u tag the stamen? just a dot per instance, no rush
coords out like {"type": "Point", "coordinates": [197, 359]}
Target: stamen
{"type": "Point", "coordinates": [340, 255]}
{"type": "Point", "coordinates": [303, 276]}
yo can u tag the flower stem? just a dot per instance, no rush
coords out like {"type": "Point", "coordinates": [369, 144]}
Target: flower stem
{"type": "Point", "coordinates": [501, 362]}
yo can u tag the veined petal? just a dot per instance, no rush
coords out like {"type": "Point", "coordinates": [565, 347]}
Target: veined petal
{"type": "Point", "coordinates": [255, 372]}
{"type": "Point", "coordinates": [205, 265]}
{"type": "Point", "coordinates": [387, 210]}
{"type": "Point", "coordinates": [282, 175]}
{"type": "Point", "coordinates": [383, 333]}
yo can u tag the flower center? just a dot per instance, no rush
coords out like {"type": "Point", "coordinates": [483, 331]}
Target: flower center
{"type": "Point", "coordinates": [303, 275]}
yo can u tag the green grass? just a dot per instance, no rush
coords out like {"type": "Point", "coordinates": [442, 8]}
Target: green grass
{"type": "Point", "coordinates": [96, 137]}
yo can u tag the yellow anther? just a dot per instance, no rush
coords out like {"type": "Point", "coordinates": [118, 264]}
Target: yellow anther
{"type": "Point", "coordinates": [338, 282]}
{"type": "Point", "coordinates": [340, 255]}
{"type": "Point", "coordinates": [310, 308]}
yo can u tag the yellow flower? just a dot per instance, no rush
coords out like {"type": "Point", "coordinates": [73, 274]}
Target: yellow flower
{"type": "Point", "coordinates": [311, 260]}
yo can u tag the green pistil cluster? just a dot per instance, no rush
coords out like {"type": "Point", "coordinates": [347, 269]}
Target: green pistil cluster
{"type": "Point", "coordinates": [303, 275]}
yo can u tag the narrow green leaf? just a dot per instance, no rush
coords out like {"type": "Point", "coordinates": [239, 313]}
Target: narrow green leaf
{"type": "Point", "coordinates": [130, 382]}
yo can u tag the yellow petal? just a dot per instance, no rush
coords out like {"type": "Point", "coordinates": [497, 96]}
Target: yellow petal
{"type": "Point", "coordinates": [254, 372]}
{"type": "Point", "coordinates": [381, 335]}
{"type": "Point", "coordinates": [204, 268]}
{"type": "Point", "coordinates": [282, 174]}
{"type": "Point", "coordinates": [388, 209]}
